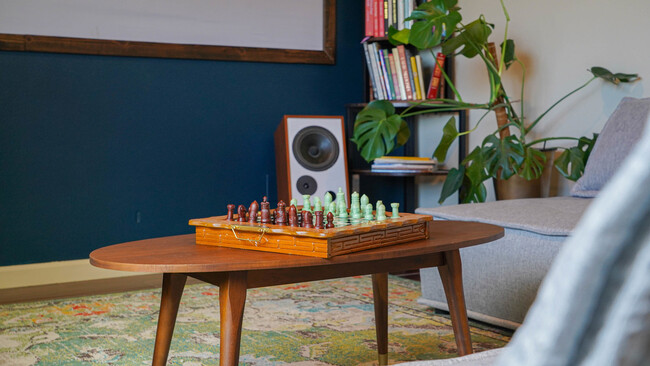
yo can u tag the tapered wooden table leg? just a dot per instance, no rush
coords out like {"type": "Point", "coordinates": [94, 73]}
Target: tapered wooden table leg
{"type": "Point", "coordinates": [232, 298]}
{"type": "Point", "coordinates": [172, 290]}
{"type": "Point", "coordinates": [452, 281]}
{"type": "Point", "coordinates": [380, 296]}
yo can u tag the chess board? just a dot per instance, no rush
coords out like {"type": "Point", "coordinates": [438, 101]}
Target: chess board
{"type": "Point", "coordinates": [325, 243]}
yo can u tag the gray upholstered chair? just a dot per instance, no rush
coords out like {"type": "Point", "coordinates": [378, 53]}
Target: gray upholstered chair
{"type": "Point", "coordinates": [593, 307]}
{"type": "Point", "coordinates": [502, 278]}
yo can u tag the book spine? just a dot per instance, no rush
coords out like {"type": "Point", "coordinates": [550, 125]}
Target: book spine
{"type": "Point", "coordinates": [414, 67]}
{"type": "Point", "coordinates": [400, 77]}
{"type": "Point", "coordinates": [379, 18]}
{"type": "Point", "coordinates": [384, 29]}
{"type": "Point", "coordinates": [371, 73]}
{"type": "Point", "coordinates": [369, 24]}
{"type": "Point", "coordinates": [372, 48]}
{"type": "Point", "coordinates": [393, 70]}
{"type": "Point", "coordinates": [394, 14]}
{"type": "Point", "coordinates": [405, 71]}
{"type": "Point", "coordinates": [432, 92]}
{"type": "Point", "coordinates": [418, 62]}
{"type": "Point", "coordinates": [385, 74]}
{"type": "Point", "coordinates": [400, 14]}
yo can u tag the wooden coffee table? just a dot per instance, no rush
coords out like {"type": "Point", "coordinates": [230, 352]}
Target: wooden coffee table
{"type": "Point", "coordinates": [236, 270]}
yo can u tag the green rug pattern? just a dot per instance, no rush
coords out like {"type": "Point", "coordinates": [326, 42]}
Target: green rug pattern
{"type": "Point", "coordinates": [316, 323]}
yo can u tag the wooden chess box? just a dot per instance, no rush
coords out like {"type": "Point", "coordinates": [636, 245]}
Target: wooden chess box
{"type": "Point", "coordinates": [323, 243]}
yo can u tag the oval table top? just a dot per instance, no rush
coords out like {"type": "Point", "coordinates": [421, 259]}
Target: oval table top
{"type": "Point", "coordinates": [180, 254]}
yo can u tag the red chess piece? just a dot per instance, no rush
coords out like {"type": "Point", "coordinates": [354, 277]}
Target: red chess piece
{"type": "Point", "coordinates": [241, 213]}
{"type": "Point", "coordinates": [231, 212]}
{"type": "Point", "coordinates": [318, 221]}
{"type": "Point", "coordinates": [293, 216]}
{"type": "Point", "coordinates": [281, 214]}
{"type": "Point", "coordinates": [330, 221]}
{"type": "Point", "coordinates": [252, 212]}
{"type": "Point", "coordinates": [265, 212]}
{"type": "Point", "coordinates": [308, 220]}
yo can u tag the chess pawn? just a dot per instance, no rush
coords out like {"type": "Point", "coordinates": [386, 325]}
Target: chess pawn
{"type": "Point", "coordinates": [241, 213]}
{"type": "Point", "coordinates": [381, 212]}
{"type": "Point", "coordinates": [306, 204]}
{"type": "Point", "coordinates": [354, 198]}
{"type": "Point", "coordinates": [308, 220]}
{"type": "Point", "coordinates": [231, 212]}
{"type": "Point", "coordinates": [318, 221]}
{"type": "Point", "coordinates": [330, 220]}
{"type": "Point", "coordinates": [280, 214]}
{"type": "Point", "coordinates": [293, 216]}
{"type": "Point", "coordinates": [368, 212]}
{"type": "Point", "coordinates": [265, 212]}
{"type": "Point", "coordinates": [395, 210]}
{"type": "Point", "coordinates": [252, 212]}
{"type": "Point", "coordinates": [364, 201]}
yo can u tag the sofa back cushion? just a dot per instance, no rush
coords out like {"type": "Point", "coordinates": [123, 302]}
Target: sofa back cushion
{"type": "Point", "coordinates": [621, 132]}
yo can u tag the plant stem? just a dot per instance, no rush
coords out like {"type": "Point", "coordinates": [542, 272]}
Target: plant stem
{"type": "Point", "coordinates": [551, 138]}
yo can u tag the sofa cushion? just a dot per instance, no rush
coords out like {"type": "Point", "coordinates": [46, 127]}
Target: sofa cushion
{"type": "Point", "coordinates": [621, 132]}
{"type": "Point", "coordinates": [546, 216]}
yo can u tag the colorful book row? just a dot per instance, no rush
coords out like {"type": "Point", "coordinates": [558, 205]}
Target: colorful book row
{"type": "Point", "coordinates": [397, 75]}
{"type": "Point", "coordinates": [381, 14]}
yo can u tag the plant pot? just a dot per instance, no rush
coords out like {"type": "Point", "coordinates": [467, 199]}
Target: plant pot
{"type": "Point", "coordinates": [517, 187]}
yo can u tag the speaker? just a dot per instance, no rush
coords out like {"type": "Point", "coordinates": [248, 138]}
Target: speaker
{"type": "Point", "coordinates": [310, 157]}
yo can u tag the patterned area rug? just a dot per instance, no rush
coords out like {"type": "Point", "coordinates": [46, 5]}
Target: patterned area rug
{"type": "Point", "coordinates": [316, 323]}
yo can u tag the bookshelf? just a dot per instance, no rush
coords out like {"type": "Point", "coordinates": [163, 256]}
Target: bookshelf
{"type": "Point", "coordinates": [401, 184]}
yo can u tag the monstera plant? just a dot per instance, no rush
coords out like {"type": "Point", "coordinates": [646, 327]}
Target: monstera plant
{"type": "Point", "coordinates": [509, 150]}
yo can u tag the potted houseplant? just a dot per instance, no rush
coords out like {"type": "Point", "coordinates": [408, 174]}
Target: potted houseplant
{"type": "Point", "coordinates": [505, 153]}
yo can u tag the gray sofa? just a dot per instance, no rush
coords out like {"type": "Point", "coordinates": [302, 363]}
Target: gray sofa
{"type": "Point", "coordinates": [501, 278]}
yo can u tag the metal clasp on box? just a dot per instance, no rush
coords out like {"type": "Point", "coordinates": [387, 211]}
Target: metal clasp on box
{"type": "Point", "coordinates": [254, 229]}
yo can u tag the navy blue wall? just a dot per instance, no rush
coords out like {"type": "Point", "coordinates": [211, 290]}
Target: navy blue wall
{"type": "Point", "coordinates": [99, 150]}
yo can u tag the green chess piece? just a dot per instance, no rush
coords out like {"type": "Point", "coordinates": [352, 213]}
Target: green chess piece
{"type": "Point", "coordinates": [293, 202]}
{"type": "Point", "coordinates": [317, 204]}
{"type": "Point", "coordinates": [364, 201]}
{"type": "Point", "coordinates": [340, 197]}
{"type": "Point", "coordinates": [327, 199]}
{"type": "Point", "coordinates": [368, 212]}
{"type": "Point", "coordinates": [306, 204]}
{"type": "Point", "coordinates": [343, 211]}
{"type": "Point", "coordinates": [395, 207]}
{"type": "Point", "coordinates": [332, 208]}
{"type": "Point", "coordinates": [381, 212]}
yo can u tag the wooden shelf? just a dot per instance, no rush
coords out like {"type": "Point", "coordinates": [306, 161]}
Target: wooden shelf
{"type": "Point", "coordinates": [398, 173]}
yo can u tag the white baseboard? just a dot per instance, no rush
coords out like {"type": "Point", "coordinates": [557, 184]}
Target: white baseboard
{"type": "Point", "coordinates": [55, 272]}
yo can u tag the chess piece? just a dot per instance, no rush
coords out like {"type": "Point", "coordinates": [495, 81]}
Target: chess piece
{"type": "Point", "coordinates": [327, 199]}
{"type": "Point", "coordinates": [241, 213]}
{"type": "Point", "coordinates": [330, 220]}
{"type": "Point", "coordinates": [332, 208]}
{"type": "Point", "coordinates": [293, 202]}
{"type": "Point", "coordinates": [231, 212]}
{"type": "Point", "coordinates": [318, 221]}
{"type": "Point", "coordinates": [317, 205]}
{"type": "Point", "coordinates": [306, 204]}
{"type": "Point", "coordinates": [355, 206]}
{"type": "Point", "coordinates": [368, 212]}
{"type": "Point", "coordinates": [381, 212]}
{"type": "Point", "coordinates": [293, 216]}
{"type": "Point", "coordinates": [252, 212]}
{"type": "Point", "coordinates": [364, 201]}
{"type": "Point", "coordinates": [342, 211]}
{"type": "Point", "coordinates": [265, 212]}
{"type": "Point", "coordinates": [307, 220]}
{"type": "Point", "coordinates": [340, 197]}
{"type": "Point", "coordinates": [280, 214]}
{"type": "Point", "coordinates": [395, 208]}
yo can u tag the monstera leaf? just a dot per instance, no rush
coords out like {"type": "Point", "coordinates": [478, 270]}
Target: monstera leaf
{"type": "Point", "coordinates": [378, 130]}
{"type": "Point", "coordinates": [449, 135]}
{"type": "Point", "coordinates": [434, 20]}
{"type": "Point", "coordinates": [533, 164]}
{"type": "Point", "coordinates": [471, 38]}
{"type": "Point", "coordinates": [504, 155]}
{"type": "Point", "coordinates": [617, 78]}
{"type": "Point", "coordinates": [571, 163]}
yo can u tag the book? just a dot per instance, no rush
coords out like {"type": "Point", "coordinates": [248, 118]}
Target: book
{"type": "Point", "coordinates": [393, 70]}
{"type": "Point", "coordinates": [418, 62]}
{"type": "Point", "coordinates": [372, 48]}
{"type": "Point", "coordinates": [370, 18]}
{"type": "Point", "coordinates": [371, 74]}
{"type": "Point", "coordinates": [400, 75]}
{"type": "Point", "coordinates": [405, 71]}
{"type": "Point", "coordinates": [434, 84]}
{"type": "Point", "coordinates": [385, 71]}
{"type": "Point", "coordinates": [414, 160]}
{"type": "Point", "coordinates": [416, 78]}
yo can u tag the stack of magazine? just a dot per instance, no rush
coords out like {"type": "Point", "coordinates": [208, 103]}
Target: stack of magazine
{"type": "Point", "coordinates": [404, 164]}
